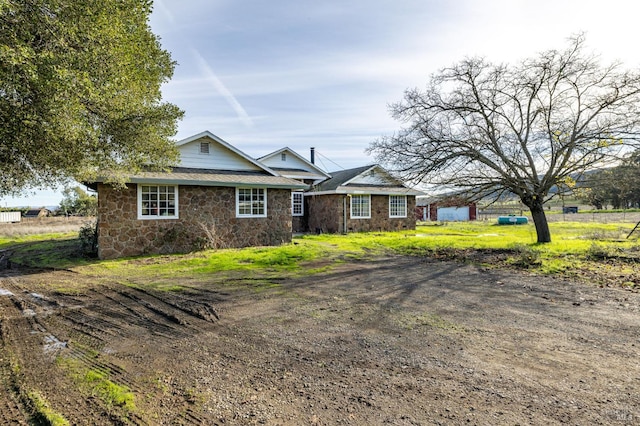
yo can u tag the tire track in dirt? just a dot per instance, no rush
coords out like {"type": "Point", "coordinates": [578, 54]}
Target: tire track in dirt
{"type": "Point", "coordinates": [22, 326]}
{"type": "Point", "coordinates": [21, 330]}
{"type": "Point", "coordinates": [11, 411]}
{"type": "Point", "coordinates": [189, 306]}
{"type": "Point", "coordinates": [90, 330]}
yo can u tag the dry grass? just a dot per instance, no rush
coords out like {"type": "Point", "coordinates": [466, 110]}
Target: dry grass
{"type": "Point", "coordinates": [45, 225]}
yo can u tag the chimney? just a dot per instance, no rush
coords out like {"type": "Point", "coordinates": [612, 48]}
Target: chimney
{"type": "Point", "coordinates": [313, 155]}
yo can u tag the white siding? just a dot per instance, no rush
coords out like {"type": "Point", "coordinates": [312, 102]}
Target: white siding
{"type": "Point", "coordinates": [219, 157]}
{"type": "Point", "coordinates": [373, 177]}
{"type": "Point", "coordinates": [291, 162]}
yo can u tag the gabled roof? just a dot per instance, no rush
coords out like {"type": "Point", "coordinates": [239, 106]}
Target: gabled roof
{"type": "Point", "coordinates": [207, 134]}
{"type": "Point", "coordinates": [208, 177]}
{"type": "Point", "coordinates": [304, 170]}
{"type": "Point", "coordinates": [371, 179]}
{"type": "Point", "coordinates": [341, 178]}
{"type": "Point", "coordinates": [244, 170]}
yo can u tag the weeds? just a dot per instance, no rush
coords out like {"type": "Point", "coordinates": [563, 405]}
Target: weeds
{"type": "Point", "coordinates": [574, 245]}
{"type": "Point", "coordinates": [111, 393]}
{"type": "Point", "coordinates": [599, 252]}
{"type": "Point", "coordinates": [97, 383]}
{"type": "Point", "coordinates": [213, 238]}
{"type": "Point", "coordinates": [525, 256]}
{"type": "Point", "coordinates": [43, 412]}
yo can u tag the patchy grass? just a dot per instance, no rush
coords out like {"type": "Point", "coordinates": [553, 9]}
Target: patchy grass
{"type": "Point", "coordinates": [97, 383]}
{"type": "Point", "coordinates": [287, 258]}
{"type": "Point", "coordinates": [54, 251]}
{"type": "Point", "coordinates": [8, 241]}
{"type": "Point", "coordinates": [43, 412]}
{"type": "Point", "coordinates": [578, 250]}
{"type": "Point", "coordinates": [111, 393]}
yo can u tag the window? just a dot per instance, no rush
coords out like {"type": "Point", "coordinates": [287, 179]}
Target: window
{"type": "Point", "coordinates": [157, 202]}
{"type": "Point", "coordinates": [204, 147]}
{"type": "Point", "coordinates": [283, 157]}
{"type": "Point", "coordinates": [251, 202]}
{"type": "Point", "coordinates": [361, 206]}
{"type": "Point", "coordinates": [297, 203]}
{"type": "Point", "coordinates": [397, 206]}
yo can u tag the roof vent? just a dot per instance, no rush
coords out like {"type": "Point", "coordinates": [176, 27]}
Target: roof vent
{"type": "Point", "coordinates": [204, 147]}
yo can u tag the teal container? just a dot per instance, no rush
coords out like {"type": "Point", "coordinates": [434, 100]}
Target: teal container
{"type": "Point", "coordinates": [512, 220]}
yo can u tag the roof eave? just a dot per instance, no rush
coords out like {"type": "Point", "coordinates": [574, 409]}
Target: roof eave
{"type": "Point", "coordinates": [165, 181]}
{"type": "Point", "coordinates": [373, 191]}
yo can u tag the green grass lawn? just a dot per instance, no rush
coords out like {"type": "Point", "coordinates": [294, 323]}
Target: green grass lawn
{"type": "Point", "coordinates": [576, 248]}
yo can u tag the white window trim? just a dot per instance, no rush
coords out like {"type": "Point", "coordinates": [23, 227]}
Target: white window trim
{"type": "Point", "coordinates": [238, 215]}
{"type": "Point", "coordinates": [351, 206]}
{"type": "Point", "coordinates": [157, 217]}
{"type": "Point", "coordinates": [203, 150]}
{"type": "Point", "coordinates": [405, 206]}
{"type": "Point", "coordinates": [301, 194]}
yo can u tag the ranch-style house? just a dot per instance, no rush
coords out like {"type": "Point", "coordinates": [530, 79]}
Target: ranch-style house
{"type": "Point", "coordinates": [219, 197]}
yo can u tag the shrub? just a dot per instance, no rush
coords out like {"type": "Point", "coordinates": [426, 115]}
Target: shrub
{"type": "Point", "coordinates": [600, 252]}
{"type": "Point", "coordinates": [525, 256]}
{"type": "Point", "coordinates": [88, 236]}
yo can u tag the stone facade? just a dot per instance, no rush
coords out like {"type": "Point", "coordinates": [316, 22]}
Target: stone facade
{"type": "Point", "coordinates": [326, 213]}
{"type": "Point", "coordinates": [207, 219]}
{"type": "Point", "coordinates": [300, 223]}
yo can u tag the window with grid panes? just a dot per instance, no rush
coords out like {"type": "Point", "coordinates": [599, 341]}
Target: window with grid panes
{"type": "Point", "coordinates": [251, 202]}
{"type": "Point", "coordinates": [397, 206]}
{"type": "Point", "coordinates": [157, 201]}
{"type": "Point", "coordinates": [297, 203]}
{"type": "Point", "coordinates": [361, 206]}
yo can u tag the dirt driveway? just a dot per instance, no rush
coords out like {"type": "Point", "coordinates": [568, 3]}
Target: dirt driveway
{"type": "Point", "coordinates": [396, 340]}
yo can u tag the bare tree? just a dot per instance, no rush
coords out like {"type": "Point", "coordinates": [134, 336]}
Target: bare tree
{"type": "Point", "coordinates": [489, 129]}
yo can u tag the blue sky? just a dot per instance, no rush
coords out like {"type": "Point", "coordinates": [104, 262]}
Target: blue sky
{"type": "Point", "coordinates": [302, 73]}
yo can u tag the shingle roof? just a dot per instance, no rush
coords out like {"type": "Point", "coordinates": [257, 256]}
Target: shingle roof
{"type": "Point", "coordinates": [339, 178]}
{"type": "Point", "coordinates": [340, 182]}
{"type": "Point", "coordinates": [298, 173]}
{"type": "Point", "coordinates": [207, 177]}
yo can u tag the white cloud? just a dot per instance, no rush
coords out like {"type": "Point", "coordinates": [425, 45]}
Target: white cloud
{"type": "Point", "coordinates": [212, 79]}
{"type": "Point", "coordinates": [305, 73]}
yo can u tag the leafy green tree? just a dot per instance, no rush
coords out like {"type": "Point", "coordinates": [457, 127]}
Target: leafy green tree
{"type": "Point", "coordinates": [80, 92]}
{"type": "Point", "coordinates": [617, 186]}
{"type": "Point", "coordinates": [490, 130]}
{"type": "Point", "coordinates": [77, 202]}
{"type": "Point", "coordinates": [629, 180]}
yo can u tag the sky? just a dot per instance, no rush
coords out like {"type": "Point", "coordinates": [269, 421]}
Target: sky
{"type": "Point", "coordinates": [263, 75]}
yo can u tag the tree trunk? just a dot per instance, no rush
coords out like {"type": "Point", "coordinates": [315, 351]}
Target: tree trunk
{"type": "Point", "coordinates": [540, 220]}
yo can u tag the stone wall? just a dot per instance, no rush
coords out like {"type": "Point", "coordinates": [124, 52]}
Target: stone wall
{"type": "Point", "coordinates": [207, 220]}
{"type": "Point", "coordinates": [300, 223]}
{"type": "Point", "coordinates": [326, 214]}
